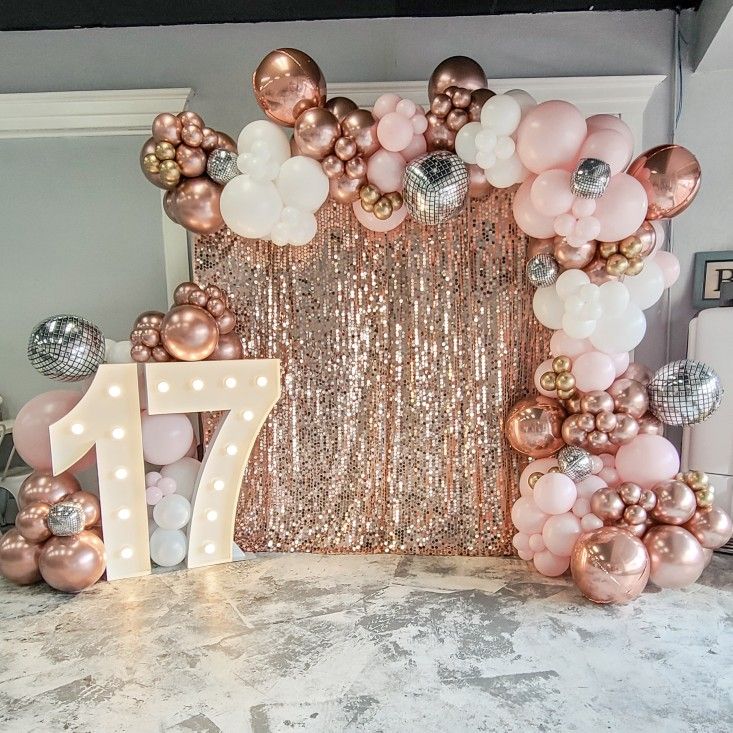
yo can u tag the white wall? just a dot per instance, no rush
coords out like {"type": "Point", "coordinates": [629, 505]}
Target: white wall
{"type": "Point", "coordinates": [98, 224]}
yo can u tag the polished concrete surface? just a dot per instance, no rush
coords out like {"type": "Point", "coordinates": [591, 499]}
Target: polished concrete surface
{"type": "Point", "coordinates": [375, 643]}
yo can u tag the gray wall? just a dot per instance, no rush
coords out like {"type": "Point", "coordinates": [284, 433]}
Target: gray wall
{"type": "Point", "coordinates": [99, 227]}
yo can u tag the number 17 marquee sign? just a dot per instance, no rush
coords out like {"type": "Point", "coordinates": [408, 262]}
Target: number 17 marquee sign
{"type": "Point", "coordinates": [108, 418]}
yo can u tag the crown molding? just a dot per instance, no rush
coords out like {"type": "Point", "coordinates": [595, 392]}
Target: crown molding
{"type": "Point", "coordinates": [85, 114]}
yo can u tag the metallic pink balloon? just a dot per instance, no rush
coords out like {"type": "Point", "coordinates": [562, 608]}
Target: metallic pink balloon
{"type": "Point", "coordinates": [610, 565]}
{"type": "Point", "coordinates": [456, 71]}
{"type": "Point", "coordinates": [629, 396]}
{"type": "Point", "coordinates": [316, 132]}
{"type": "Point", "coordinates": [438, 136]}
{"type": "Point", "coordinates": [226, 322]}
{"type": "Point", "coordinates": [638, 372]}
{"type": "Point", "coordinates": [677, 558]}
{"type": "Point", "coordinates": [361, 127]}
{"type": "Point", "coordinates": [345, 190]}
{"type": "Point", "coordinates": [71, 564]}
{"type": "Point", "coordinates": [167, 128]}
{"type": "Point", "coordinates": [90, 505]}
{"type": "Point", "coordinates": [534, 426]}
{"type": "Point", "coordinates": [341, 106]}
{"type": "Point", "coordinates": [478, 186]}
{"type": "Point", "coordinates": [570, 257]}
{"type": "Point", "coordinates": [31, 522]}
{"type": "Point", "coordinates": [711, 527]}
{"type": "Point", "coordinates": [676, 502]}
{"type": "Point", "coordinates": [607, 504]}
{"type": "Point", "coordinates": [229, 346]}
{"type": "Point", "coordinates": [189, 333]}
{"type": "Point", "coordinates": [19, 558]}
{"type": "Point", "coordinates": [650, 424]}
{"type": "Point", "coordinates": [192, 161]}
{"type": "Point", "coordinates": [42, 486]}
{"type": "Point", "coordinates": [194, 204]}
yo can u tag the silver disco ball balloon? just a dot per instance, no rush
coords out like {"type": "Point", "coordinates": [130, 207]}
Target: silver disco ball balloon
{"type": "Point", "coordinates": [590, 178]}
{"type": "Point", "coordinates": [684, 392]}
{"type": "Point", "coordinates": [222, 165]}
{"type": "Point", "coordinates": [542, 270]}
{"type": "Point", "coordinates": [435, 187]}
{"type": "Point", "coordinates": [66, 348]}
{"type": "Point", "coordinates": [65, 519]}
{"type": "Point", "coordinates": [576, 463]}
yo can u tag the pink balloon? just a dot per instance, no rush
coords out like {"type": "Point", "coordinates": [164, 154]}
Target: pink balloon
{"type": "Point", "coordinates": [520, 541]}
{"type": "Point", "coordinates": [564, 225]}
{"type": "Point", "coordinates": [546, 366]}
{"type": "Point", "coordinates": [541, 465]}
{"type": "Point", "coordinates": [394, 131]}
{"type": "Point", "coordinates": [550, 136]}
{"type": "Point", "coordinates": [590, 522]}
{"type": "Point", "coordinates": [622, 209]}
{"type": "Point", "coordinates": [583, 207]}
{"type": "Point", "coordinates": [555, 493]}
{"type": "Point", "coordinates": [658, 227]}
{"type": "Point", "coordinates": [31, 437]}
{"type": "Point", "coordinates": [589, 485]}
{"type": "Point", "coordinates": [527, 516]}
{"type": "Point", "coordinates": [560, 533]}
{"type": "Point", "coordinates": [611, 122]}
{"type": "Point", "coordinates": [581, 507]}
{"type": "Point", "coordinates": [593, 370]}
{"type": "Point", "coordinates": [620, 362]}
{"type": "Point", "coordinates": [166, 438]}
{"type": "Point", "coordinates": [368, 220]}
{"type": "Point", "coordinates": [647, 460]}
{"type": "Point", "coordinates": [536, 543]}
{"type": "Point", "coordinates": [528, 219]}
{"type": "Point", "coordinates": [609, 146]}
{"type": "Point", "coordinates": [586, 229]}
{"type": "Point", "coordinates": [385, 104]}
{"type": "Point", "coordinates": [385, 170]}
{"type": "Point", "coordinates": [563, 345]}
{"type": "Point", "coordinates": [525, 554]}
{"type": "Point", "coordinates": [549, 564]}
{"type": "Point", "coordinates": [550, 193]}
{"type": "Point", "coordinates": [669, 265]}
{"type": "Point", "coordinates": [610, 476]}
{"type": "Point", "coordinates": [418, 145]}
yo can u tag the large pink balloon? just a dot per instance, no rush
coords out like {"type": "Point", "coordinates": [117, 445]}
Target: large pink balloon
{"type": "Point", "coordinates": [646, 460]}
{"type": "Point", "coordinates": [368, 220]}
{"type": "Point", "coordinates": [593, 370]}
{"type": "Point", "coordinates": [166, 438]}
{"type": "Point", "coordinates": [622, 209]}
{"type": "Point", "coordinates": [528, 219]}
{"type": "Point", "coordinates": [560, 533]}
{"type": "Point", "coordinates": [394, 131]}
{"type": "Point", "coordinates": [550, 136]}
{"type": "Point", "coordinates": [551, 194]}
{"type": "Point", "coordinates": [555, 493]}
{"type": "Point", "coordinates": [385, 170]}
{"type": "Point", "coordinates": [609, 146]}
{"type": "Point", "coordinates": [550, 564]}
{"type": "Point", "coordinates": [418, 145]}
{"type": "Point", "coordinates": [30, 432]}
{"type": "Point", "coordinates": [611, 122]}
{"type": "Point", "coordinates": [527, 516]}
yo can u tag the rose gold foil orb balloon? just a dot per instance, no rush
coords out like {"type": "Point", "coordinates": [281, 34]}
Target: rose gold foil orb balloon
{"type": "Point", "coordinates": [677, 558]}
{"type": "Point", "coordinates": [189, 333]}
{"type": "Point", "coordinates": [676, 502]}
{"type": "Point", "coordinates": [534, 426]}
{"type": "Point", "coordinates": [610, 565]}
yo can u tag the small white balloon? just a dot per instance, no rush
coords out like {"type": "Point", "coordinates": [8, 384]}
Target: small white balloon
{"type": "Point", "coordinates": [624, 332]}
{"type": "Point", "coordinates": [569, 282]}
{"type": "Point", "coordinates": [250, 208]}
{"type": "Point", "coordinates": [614, 297]}
{"type": "Point", "coordinates": [117, 352]}
{"type": "Point", "coordinates": [172, 512]}
{"type": "Point", "coordinates": [502, 113]}
{"type": "Point", "coordinates": [646, 288]}
{"type": "Point", "coordinates": [302, 183]}
{"type": "Point", "coordinates": [273, 137]}
{"type": "Point", "coordinates": [184, 472]}
{"type": "Point", "coordinates": [305, 229]}
{"type": "Point", "coordinates": [548, 308]}
{"type": "Point", "coordinates": [168, 547]}
{"type": "Point", "coordinates": [505, 173]}
{"type": "Point", "coordinates": [504, 147]}
{"type": "Point", "coordinates": [466, 142]}
{"type": "Point", "coordinates": [486, 140]}
{"type": "Point", "coordinates": [525, 100]}
{"type": "Point", "coordinates": [577, 327]}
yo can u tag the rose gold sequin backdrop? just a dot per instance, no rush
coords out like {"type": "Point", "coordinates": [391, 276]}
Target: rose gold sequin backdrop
{"type": "Point", "coordinates": [401, 354]}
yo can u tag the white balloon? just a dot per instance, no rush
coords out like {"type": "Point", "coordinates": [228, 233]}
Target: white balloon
{"type": "Point", "coordinates": [576, 327]}
{"type": "Point", "coordinates": [646, 288]}
{"type": "Point", "coordinates": [304, 231]}
{"type": "Point", "coordinates": [505, 173]}
{"type": "Point", "coordinates": [250, 208]}
{"type": "Point", "coordinates": [614, 297]}
{"type": "Point", "coordinates": [614, 334]}
{"type": "Point", "coordinates": [569, 282]}
{"type": "Point", "coordinates": [168, 547]}
{"type": "Point", "coordinates": [548, 308]}
{"type": "Point", "coordinates": [501, 113]}
{"type": "Point", "coordinates": [302, 183]}
{"type": "Point", "coordinates": [117, 352]}
{"type": "Point", "coordinates": [263, 131]}
{"type": "Point", "coordinates": [172, 512]}
{"type": "Point", "coordinates": [525, 99]}
{"type": "Point", "coordinates": [466, 142]}
{"type": "Point", "coordinates": [184, 472]}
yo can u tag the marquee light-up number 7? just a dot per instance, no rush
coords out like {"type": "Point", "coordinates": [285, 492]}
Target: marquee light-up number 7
{"type": "Point", "coordinates": [248, 389]}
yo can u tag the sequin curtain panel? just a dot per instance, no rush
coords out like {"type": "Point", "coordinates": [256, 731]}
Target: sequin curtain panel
{"type": "Point", "coordinates": [401, 354]}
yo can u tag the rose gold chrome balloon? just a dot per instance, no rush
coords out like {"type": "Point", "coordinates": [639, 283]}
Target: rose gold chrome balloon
{"type": "Point", "coordinates": [607, 504]}
{"type": "Point", "coordinates": [167, 128]}
{"type": "Point", "coordinates": [189, 333]}
{"type": "Point", "coordinates": [46, 488]}
{"type": "Point", "coordinates": [71, 564]}
{"type": "Point", "coordinates": [596, 402]}
{"type": "Point", "coordinates": [479, 97]}
{"type": "Point", "coordinates": [340, 107]}
{"type": "Point", "coordinates": [19, 558]}
{"type": "Point", "coordinates": [190, 118]}
{"type": "Point", "coordinates": [575, 258]}
{"type": "Point", "coordinates": [638, 372]}
{"type": "Point", "coordinates": [192, 161]}
{"type": "Point", "coordinates": [629, 396]}
{"type": "Point", "coordinates": [676, 502]}
{"type": "Point", "coordinates": [194, 204]}
{"type": "Point", "coordinates": [596, 271]}
{"type": "Point", "coordinates": [345, 190]}
{"type": "Point", "coordinates": [31, 521]}
{"type": "Point", "coordinates": [647, 235]}
{"type": "Point", "coordinates": [90, 505]}
{"type": "Point", "coordinates": [224, 142]}
{"type": "Point", "coordinates": [534, 426]}
{"type": "Point", "coordinates": [670, 175]}
{"type": "Point", "coordinates": [228, 347]}
{"type": "Point", "coordinates": [316, 132]}
{"type": "Point", "coordinates": [712, 527]}
{"type": "Point", "coordinates": [649, 424]}
{"type": "Point", "coordinates": [456, 71]}
{"type": "Point", "coordinates": [226, 322]}
{"type": "Point", "coordinates": [538, 246]}
{"type": "Point", "coordinates": [286, 83]}
{"type": "Point", "coordinates": [478, 186]}
{"type": "Point", "coordinates": [610, 565]}
{"type": "Point", "coordinates": [361, 127]}
{"type": "Point", "coordinates": [438, 136]}
{"type": "Point", "coordinates": [676, 557]}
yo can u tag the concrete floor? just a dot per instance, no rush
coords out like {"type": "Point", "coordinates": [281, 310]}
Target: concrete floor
{"type": "Point", "coordinates": [375, 643]}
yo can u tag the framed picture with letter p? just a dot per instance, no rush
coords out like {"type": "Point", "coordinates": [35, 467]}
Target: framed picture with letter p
{"type": "Point", "coordinates": [712, 271]}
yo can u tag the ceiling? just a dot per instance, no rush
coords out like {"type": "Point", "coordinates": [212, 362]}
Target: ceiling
{"type": "Point", "coordinates": [45, 14]}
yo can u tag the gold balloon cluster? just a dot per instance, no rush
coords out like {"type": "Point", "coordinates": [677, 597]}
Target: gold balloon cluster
{"type": "Point", "coordinates": [560, 379]}
{"type": "Point", "coordinates": [198, 326]}
{"type": "Point", "coordinates": [179, 148]}
{"type": "Point", "coordinates": [624, 257]}
{"type": "Point", "coordinates": [699, 482]}
{"type": "Point", "coordinates": [379, 204]}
